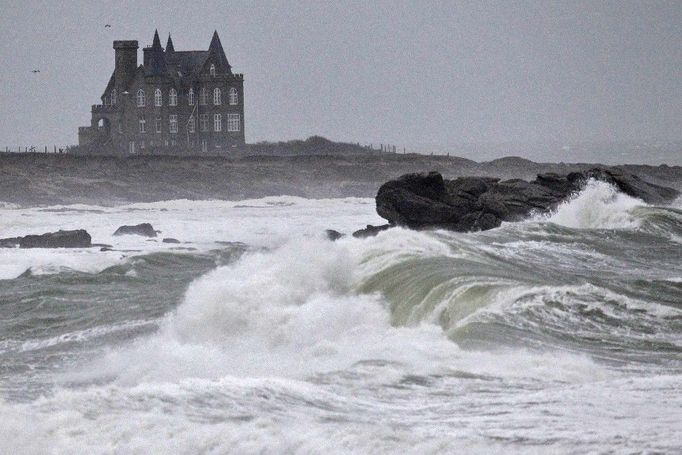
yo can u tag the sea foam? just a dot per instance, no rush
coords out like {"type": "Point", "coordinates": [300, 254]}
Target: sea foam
{"type": "Point", "coordinates": [598, 206]}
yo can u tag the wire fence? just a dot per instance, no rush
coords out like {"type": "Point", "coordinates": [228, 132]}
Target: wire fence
{"type": "Point", "coordinates": [36, 149]}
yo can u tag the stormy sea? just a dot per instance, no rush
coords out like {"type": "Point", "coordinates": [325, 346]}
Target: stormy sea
{"type": "Point", "coordinates": [256, 334]}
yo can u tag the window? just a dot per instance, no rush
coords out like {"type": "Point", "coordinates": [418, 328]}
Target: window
{"type": "Point", "coordinates": [233, 96]}
{"type": "Point", "coordinates": [203, 122]}
{"type": "Point", "coordinates": [113, 97]}
{"type": "Point", "coordinates": [173, 98]}
{"type": "Point", "coordinates": [158, 124]}
{"type": "Point", "coordinates": [140, 98]}
{"type": "Point", "coordinates": [217, 95]}
{"type": "Point", "coordinates": [212, 70]}
{"type": "Point", "coordinates": [190, 124]}
{"type": "Point", "coordinates": [217, 122]}
{"type": "Point", "coordinates": [173, 121]}
{"type": "Point", "coordinates": [202, 96]}
{"type": "Point", "coordinates": [158, 97]}
{"type": "Point", "coordinates": [142, 144]}
{"type": "Point", "coordinates": [233, 122]}
{"type": "Point", "coordinates": [190, 97]}
{"type": "Point", "coordinates": [142, 123]}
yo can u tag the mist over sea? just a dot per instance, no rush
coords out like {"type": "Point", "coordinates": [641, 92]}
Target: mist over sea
{"type": "Point", "coordinates": [256, 334]}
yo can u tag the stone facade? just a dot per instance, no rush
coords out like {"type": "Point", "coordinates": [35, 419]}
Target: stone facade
{"type": "Point", "coordinates": [176, 102]}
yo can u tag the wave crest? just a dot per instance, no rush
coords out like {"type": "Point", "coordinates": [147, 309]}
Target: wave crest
{"type": "Point", "coordinates": [598, 206]}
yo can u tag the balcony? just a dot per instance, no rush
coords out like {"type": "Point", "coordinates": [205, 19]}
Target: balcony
{"type": "Point", "coordinates": [104, 108]}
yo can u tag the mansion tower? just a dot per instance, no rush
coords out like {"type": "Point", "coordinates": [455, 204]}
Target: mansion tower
{"type": "Point", "coordinates": [176, 102]}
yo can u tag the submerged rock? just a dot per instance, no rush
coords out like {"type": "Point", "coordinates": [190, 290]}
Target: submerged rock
{"type": "Point", "coordinates": [170, 240]}
{"type": "Point", "coordinates": [333, 235]}
{"type": "Point", "coordinates": [61, 239]}
{"type": "Point", "coordinates": [143, 229]}
{"type": "Point", "coordinates": [426, 200]}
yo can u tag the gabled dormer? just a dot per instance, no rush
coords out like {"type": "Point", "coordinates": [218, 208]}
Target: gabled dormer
{"type": "Point", "coordinates": [216, 63]}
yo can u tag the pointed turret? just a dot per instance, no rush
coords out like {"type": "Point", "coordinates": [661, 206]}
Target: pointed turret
{"type": "Point", "coordinates": [169, 45]}
{"type": "Point", "coordinates": [216, 50]}
{"type": "Point", "coordinates": [157, 42]}
{"type": "Point", "coordinates": [154, 57]}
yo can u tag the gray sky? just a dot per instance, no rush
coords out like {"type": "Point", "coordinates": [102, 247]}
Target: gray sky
{"type": "Point", "coordinates": [402, 72]}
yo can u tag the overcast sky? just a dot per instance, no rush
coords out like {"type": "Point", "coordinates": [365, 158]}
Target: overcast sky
{"type": "Point", "coordinates": [408, 73]}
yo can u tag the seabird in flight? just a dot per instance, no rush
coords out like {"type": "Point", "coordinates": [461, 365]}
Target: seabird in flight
{"type": "Point", "coordinates": [35, 71]}
{"type": "Point", "coordinates": [107, 25]}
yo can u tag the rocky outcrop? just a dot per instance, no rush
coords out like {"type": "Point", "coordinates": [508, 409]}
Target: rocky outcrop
{"type": "Point", "coordinates": [370, 231]}
{"type": "Point", "coordinates": [61, 239]}
{"type": "Point", "coordinates": [143, 229]}
{"type": "Point", "coordinates": [426, 200]}
{"type": "Point", "coordinates": [170, 240]}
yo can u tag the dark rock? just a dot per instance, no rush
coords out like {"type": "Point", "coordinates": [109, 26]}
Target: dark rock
{"type": "Point", "coordinates": [11, 242]}
{"type": "Point", "coordinates": [629, 184]}
{"type": "Point", "coordinates": [425, 200]}
{"type": "Point", "coordinates": [144, 229]}
{"type": "Point", "coordinates": [333, 235]}
{"type": "Point", "coordinates": [370, 231]}
{"type": "Point", "coordinates": [170, 240]}
{"type": "Point", "coordinates": [60, 239]}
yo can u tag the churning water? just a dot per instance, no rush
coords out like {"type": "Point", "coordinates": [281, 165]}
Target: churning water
{"type": "Point", "coordinates": [560, 334]}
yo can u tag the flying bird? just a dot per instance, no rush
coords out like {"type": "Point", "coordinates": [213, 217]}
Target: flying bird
{"type": "Point", "coordinates": [35, 71]}
{"type": "Point", "coordinates": [107, 25]}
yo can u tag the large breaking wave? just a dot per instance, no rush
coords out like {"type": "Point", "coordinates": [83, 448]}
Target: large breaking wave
{"type": "Point", "coordinates": [393, 341]}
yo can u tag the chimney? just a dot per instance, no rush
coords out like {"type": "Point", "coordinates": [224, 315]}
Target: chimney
{"type": "Point", "coordinates": [126, 62]}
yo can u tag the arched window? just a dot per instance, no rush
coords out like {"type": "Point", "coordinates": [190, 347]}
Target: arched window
{"type": "Point", "coordinates": [190, 124]}
{"type": "Point", "coordinates": [173, 123]}
{"type": "Point", "coordinates": [113, 97]}
{"type": "Point", "coordinates": [158, 97]}
{"type": "Point", "coordinates": [173, 98]}
{"type": "Point", "coordinates": [212, 70]}
{"type": "Point", "coordinates": [217, 122]}
{"type": "Point", "coordinates": [202, 96]}
{"type": "Point", "coordinates": [217, 97]}
{"type": "Point", "coordinates": [140, 98]}
{"type": "Point", "coordinates": [190, 97]}
{"type": "Point", "coordinates": [233, 96]}
{"type": "Point", "coordinates": [233, 122]}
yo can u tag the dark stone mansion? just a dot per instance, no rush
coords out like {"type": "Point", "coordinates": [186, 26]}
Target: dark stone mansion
{"type": "Point", "coordinates": [176, 102]}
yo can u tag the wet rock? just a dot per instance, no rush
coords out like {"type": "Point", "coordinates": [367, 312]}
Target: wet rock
{"type": "Point", "coordinates": [11, 242]}
{"type": "Point", "coordinates": [170, 240]}
{"type": "Point", "coordinates": [370, 231]}
{"type": "Point", "coordinates": [426, 200]}
{"type": "Point", "coordinates": [61, 239]}
{"type": "Point", "coordinates": [143, 229]}
{"type": "Point", "coordinates": [333, 235]}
